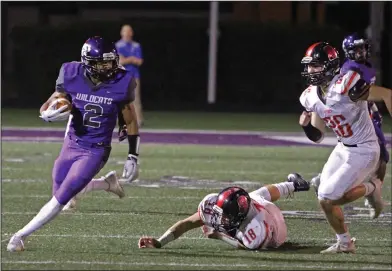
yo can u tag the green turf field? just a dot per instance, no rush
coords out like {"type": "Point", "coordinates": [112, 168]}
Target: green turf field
{"type": "Point", "coordinates": [102, 234]}
{"type": "Point", "coordinates": [179, 120]}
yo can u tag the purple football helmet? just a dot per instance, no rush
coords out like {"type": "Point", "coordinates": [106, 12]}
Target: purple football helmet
{"type": "Point", "coordinates": [356, 48]}
{"type": "Point", "coordinates": [100, 58]}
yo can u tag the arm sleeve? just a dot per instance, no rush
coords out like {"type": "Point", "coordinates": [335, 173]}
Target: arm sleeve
{"type": "Point", "coordinates": [60, 81]}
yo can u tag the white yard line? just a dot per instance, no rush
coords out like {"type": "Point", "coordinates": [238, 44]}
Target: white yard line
{"type": "Point", "coordinates": [206, 265]}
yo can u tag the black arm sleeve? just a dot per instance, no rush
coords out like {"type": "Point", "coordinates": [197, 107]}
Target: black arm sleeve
{"type": "Point", "coordinates": [312, 132]}
{"type": "Point", "coordinates": [359, 90]}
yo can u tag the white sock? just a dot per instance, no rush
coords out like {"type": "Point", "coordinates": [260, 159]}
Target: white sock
{"type": "Point", "coordinates": [285, 188]}
{"type": "Point", "coordinates": [95, 185]}
{"type": "Point", "coordinates": [263, 192]}
{"type": "Point", "coordinates": [344, 237]}
{"type": "Point", "coordinates": [46, 214]}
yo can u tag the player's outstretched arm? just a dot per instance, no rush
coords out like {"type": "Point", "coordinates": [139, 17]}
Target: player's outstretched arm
{"type": "Point", "coordinates": [175, 231]}
{"type": "Point", "coordinates": [362, 91]}
{"type": "Point", "coordinates": [377, 93]}
{"type": "Point", "coordinates": [131, 170]}
{"type": "Point", "coordinates": [226, 238]}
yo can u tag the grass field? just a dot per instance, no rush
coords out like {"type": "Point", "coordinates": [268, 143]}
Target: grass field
{"type": "Point", "coordinates": [103, 232]}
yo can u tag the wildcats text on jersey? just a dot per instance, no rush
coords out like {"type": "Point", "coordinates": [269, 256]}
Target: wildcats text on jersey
{"type": "Point", "coordinates": [93, 98]}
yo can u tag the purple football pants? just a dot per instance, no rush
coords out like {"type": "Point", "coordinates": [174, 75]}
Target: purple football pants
{"type": "Point", "coordinates": [384, 154]}
{"type": "Point", "coordinates": [75, 167]}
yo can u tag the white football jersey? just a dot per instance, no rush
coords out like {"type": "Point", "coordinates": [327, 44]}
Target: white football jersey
{"type": "Point", "coordinates": [349, 120]}
{"type": "Point", "coordinates": [256, 230]}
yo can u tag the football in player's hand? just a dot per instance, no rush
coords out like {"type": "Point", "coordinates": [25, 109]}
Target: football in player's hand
{"type": "Point", "coordinates": [61, 102]}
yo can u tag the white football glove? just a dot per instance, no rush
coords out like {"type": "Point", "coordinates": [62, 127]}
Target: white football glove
{"type": "Point", "coordinates": [131, 168]}
{"type": "Point", "coordinates": [52, 114]}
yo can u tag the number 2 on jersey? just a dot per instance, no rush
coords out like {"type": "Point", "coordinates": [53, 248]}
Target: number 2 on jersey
{"type": "Point", "coordinates": [93, 111]}
{"type": "Point", "coordinates": [334, 122]}
{"type": "Point", "coordinates": [250, 235]}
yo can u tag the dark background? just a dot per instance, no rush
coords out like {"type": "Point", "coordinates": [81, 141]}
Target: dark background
{"type": "Point", "coordinates": [259, 48]}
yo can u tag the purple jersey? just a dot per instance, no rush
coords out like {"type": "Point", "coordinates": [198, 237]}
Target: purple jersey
{"type": "Point", "coordinates": [367, 72]}
{"type": "Point", "coordinates": [94, 107]}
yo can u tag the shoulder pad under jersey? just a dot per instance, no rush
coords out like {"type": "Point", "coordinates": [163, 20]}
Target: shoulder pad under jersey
{"type": "Point", "coordinates": [72, 69]}
{"type": "Point", "coordinates": [347, 81]}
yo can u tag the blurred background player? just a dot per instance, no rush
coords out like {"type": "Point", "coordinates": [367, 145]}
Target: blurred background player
{"type": "Point", "coordinates": [98, 90]}
{"type": "Point", "coordinates": [357, 52]}
{"type": "Point", "coordinates": [131, 58]}
{"type": "Point", "coordinates": [248, 221]}
{"type": "Point", "coordinates": [340, 102]}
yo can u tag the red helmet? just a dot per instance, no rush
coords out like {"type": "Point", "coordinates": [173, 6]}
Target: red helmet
{"type": "Point", "coordinates": [323, 55]}
{"type": "Point", "coordinates": [230, 209]}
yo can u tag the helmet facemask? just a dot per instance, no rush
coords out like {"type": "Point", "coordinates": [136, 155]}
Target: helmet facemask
{"type": "Point", "coordinates": [357, 48]}
{"type": "Point", "coordinates": [324, 73]}
{"type": "Point", "coordinates": [102, 69]}
{"type": "Point", "coordinates": [359, 53]}
{"type": "Point", "coordinates": [229, 222]}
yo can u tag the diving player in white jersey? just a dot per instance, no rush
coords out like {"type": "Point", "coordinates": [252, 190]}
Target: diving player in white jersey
{"type": "Point", "coordinates": [247, 221]}
{"type": "Point", "coordinates": [340, 102]}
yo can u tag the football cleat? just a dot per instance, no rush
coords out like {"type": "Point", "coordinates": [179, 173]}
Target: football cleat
{"type": "Point", "coordinates": [315, 182]}
{"type": "Point", "coordinates": [70, 206]}
{"type": "Point", "coordinates": [300, 184]}
{"type": "Point", "coordinates": [16, 244]}
{"type": "Point", "coordinates": [114, 186]}
{"type": "Point", "coordinates": [340, 247]}
{"type": "Point", "coordinates": [375, 200]}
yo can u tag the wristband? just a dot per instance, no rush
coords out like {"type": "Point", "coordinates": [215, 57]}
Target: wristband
{"type": "Point", "coordinates": [133, 141]}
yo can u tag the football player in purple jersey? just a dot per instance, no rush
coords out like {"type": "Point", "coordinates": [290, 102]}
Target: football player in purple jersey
{"type": "Point", "coordinates": [98, 89]}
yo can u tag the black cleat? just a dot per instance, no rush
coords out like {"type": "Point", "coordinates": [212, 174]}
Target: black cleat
{"type": "Point", "coordinates": [300, 184]}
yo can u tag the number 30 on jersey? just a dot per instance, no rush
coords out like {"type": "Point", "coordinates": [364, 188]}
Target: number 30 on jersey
{"type": "Point", "coordinates": [341, 129]}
